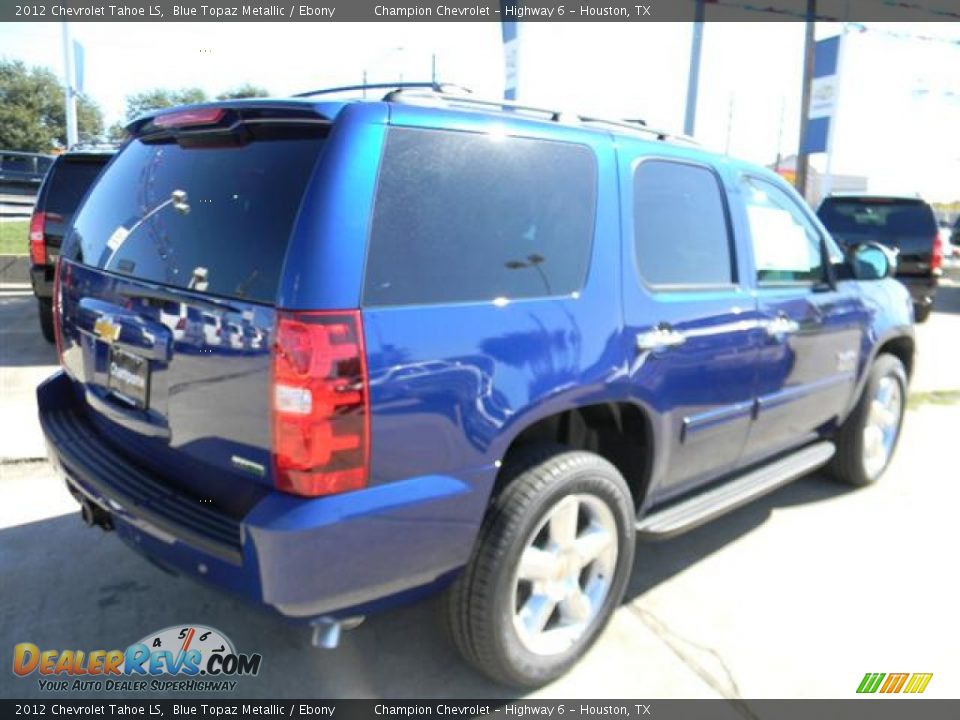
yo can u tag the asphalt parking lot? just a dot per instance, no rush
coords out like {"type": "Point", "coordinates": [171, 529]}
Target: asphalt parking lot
{"type": "Point", "coordinates": [796, 595]}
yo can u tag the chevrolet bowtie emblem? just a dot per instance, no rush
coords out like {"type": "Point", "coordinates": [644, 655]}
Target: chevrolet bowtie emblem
{"type": "Point", "coordinates": [105, 328]}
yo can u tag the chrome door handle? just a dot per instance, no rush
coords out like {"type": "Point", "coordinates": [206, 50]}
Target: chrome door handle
{"type": "Point", "coordinates": [782, 326]}
{"type": "Point", "coordinates": [660, 338]}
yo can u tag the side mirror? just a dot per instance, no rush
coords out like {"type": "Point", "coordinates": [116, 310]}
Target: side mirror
{"type": "Point", "coordinates": [873, 261]}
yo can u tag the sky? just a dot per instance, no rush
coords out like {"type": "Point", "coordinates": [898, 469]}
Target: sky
{"type": "Point", "coordinates": [896, 124]}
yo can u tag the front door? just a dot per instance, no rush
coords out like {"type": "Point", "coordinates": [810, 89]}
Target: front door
{"type": "Point", "coordinates": [811, 331]}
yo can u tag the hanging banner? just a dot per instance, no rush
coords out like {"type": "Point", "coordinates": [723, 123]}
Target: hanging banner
{"type": "Point", "coordinates": [823, 96]}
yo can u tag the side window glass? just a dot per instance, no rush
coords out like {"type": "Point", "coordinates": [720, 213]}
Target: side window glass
{"type": "Point", "coordinates": [471, 217]}
{"type": "Point", "coordinates": [680, 231]}
{"type": "Point", "coordinates": [786, 245]}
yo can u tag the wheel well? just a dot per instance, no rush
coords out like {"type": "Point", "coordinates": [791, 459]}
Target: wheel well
{"type": "Point", "coordinates": [902, 348]}
{"type": "Point", "coordinates": [618, 432]}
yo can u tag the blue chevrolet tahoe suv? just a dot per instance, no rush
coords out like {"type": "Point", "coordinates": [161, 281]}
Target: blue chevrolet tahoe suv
{"type": "Point", "coordinates": [486, 349]}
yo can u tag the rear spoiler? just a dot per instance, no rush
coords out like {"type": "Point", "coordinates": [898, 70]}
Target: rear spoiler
{"type": "Point", "coordinates": [223, 118]}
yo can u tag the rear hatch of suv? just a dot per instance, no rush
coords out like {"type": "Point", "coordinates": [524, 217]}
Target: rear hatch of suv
{"type": "Point", "coordinates": [63, 188]}
{"type": "Point", "coordinates": [187, 227]}
{"type": "Point", "coordinates": [907, 225]}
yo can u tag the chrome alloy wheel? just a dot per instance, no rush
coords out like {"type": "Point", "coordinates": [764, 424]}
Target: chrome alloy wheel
{"type": "Point", "coordinates": [882, 426]}
{"type": "Point", "coordinates": [564, 574]}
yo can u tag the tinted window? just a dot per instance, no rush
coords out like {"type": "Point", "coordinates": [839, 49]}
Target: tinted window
{"type": "Point", "coordinates": [468, 217]}
{"type": "Point", "coordinates": [680, 225]}
{"type": "Point", "coordinates": [878, 217]}
{"type": "Point", "coordinates": [216, 219]}
{"type": "Point", "coordinates": [786, 245]}
{"type": "Point", "coordinates": [69, 183]}
{"type": "Point", "coordinates": [17, 163]}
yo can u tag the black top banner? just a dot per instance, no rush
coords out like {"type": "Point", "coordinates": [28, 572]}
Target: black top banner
{"type": "Point", "coordinates": [865, 709]}
{"type": "Point", "coordinates": [476, 11]}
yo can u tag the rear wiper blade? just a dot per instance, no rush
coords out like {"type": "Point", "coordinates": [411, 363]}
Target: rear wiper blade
{"type": "Point", "coordinates": [161, 296]}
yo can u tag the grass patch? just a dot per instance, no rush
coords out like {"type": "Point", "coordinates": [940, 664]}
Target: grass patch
{"type": "Point", "coordinates": [13, 237]}
{"type": "Point", "coordinates": [933, 397]}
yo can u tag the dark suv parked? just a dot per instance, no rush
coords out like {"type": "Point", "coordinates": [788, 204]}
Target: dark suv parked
{"type": "Point", "coordinates": [64, 186]}
{"type": "Point", "coordinates": [906, 225]}
{"type": "Point", "coordinates": [485, 349]}
{"type": "Point", "coordinates": [21, 173]}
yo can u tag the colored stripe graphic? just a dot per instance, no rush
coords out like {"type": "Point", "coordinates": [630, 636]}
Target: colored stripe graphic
{"type": "Point", "coordinates": [894, 682]}
{"type": "Point", "coordinates": [918, 683]}
{"type": "Point", "coordinates": [870, 682]}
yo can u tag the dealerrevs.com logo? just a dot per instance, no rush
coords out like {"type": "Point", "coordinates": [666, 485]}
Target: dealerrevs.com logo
{"type": "Point", "coordinates": [202, 658]}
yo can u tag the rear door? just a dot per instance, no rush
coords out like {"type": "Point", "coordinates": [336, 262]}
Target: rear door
{"type": "Point", "coordinates": [907, 225]}
{"type": "Point", "coordinates": [183, 226]}
{"type": "Point", "coordinates": [688, 319]}
{"type": "Point", "coordinates": [812, 331]}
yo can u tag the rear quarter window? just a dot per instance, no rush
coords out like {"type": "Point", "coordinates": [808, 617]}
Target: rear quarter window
{"type": "Point", "coordinates": [464, 217]}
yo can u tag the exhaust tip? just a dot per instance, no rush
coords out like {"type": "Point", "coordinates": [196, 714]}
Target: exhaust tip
{"type": "Point", "coordinates": [86, 513]}
{"type": "Point", "coordinates": [94, 515]}
{"type": "Point", "coordinates": [327, 631]}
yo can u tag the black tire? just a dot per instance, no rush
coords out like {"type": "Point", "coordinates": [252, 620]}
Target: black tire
{"type": "Point", "coordinates": [478, 606]}
{"type": "Point", "coordinates": [922, 312]}
{"type": "Point", "coordinates": [847, 465]}
{"type": "Point", "coordinates": [45, 311]}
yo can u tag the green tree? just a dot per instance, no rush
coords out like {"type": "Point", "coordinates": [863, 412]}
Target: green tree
{"type": "Point", "coordinates": [158, 98]}
{"type": "Point", "coordinates": [116, 133]}
{"type": "Point", "coordinates": [33, 112]}
{"type": "Point", "coordinates": [247, 90]}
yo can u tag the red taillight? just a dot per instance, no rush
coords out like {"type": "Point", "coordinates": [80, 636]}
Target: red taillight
{"type": "Point", "coordinates": [321, 411]}
{"type": "Point", "coordinates": [184, 118]}
{"type": "Point", "coordinates": [936, 257]}
{"type": "Point", "coordinates": [57, 302]}
{"type": "Point", "coordinates": [181, 323]}
{"type": "Point", "coordinates": [38, 246]}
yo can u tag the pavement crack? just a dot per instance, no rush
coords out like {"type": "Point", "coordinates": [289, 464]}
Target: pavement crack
{"type": "Point", "coordinates": [690, 654]}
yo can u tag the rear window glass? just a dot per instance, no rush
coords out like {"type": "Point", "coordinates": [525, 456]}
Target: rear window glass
{"type": "Point", "coordinates": [212, 219]}
{"type": "Point", "coordinates": [69, 183]}
{"type": "Point", "coordinates": [877, 216]}
{"type": "Point", "coordinates": [463, 217]}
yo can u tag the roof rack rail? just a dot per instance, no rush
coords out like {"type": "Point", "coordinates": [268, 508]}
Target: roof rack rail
{"type": "Point", "coordinates": [634, 124]}
{"type": "Point", "coordinates": [92, 147]}
{"type": "Point", "coordinates": [436, 87]}
{"type": "Point", "coordinates": [433, 91]}
{"type": "Point", "coordinates": [402, 95]}
{"type": "Point", "coordinates": [637, 127]}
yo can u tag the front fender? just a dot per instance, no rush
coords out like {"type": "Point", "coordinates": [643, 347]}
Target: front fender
{"type": "Point", "coordinates": [889, 327]}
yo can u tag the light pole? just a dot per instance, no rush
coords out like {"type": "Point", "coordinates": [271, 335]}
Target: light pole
{"type": "Point", "coordinates": [382, 57]}
{"type": "Point", "coordinates": [803, 160]}
{"type": "Point", "coordinates": [69, 93]}
{"type": "Point", "coordinates": [693, 79]}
